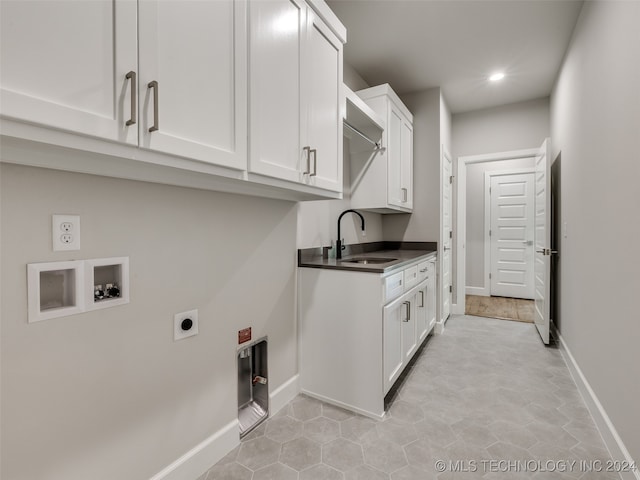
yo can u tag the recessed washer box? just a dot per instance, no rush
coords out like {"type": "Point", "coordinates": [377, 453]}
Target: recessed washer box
{"type": "Point", "coordinates": [112, 275]}
{"type": "Point", "coordinates": [55, 289]}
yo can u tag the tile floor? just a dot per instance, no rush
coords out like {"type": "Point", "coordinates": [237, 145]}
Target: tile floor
{"type": "Point", "coordinates": [486, 391]}
{"type": "Point", "coordinates": [500, 307]}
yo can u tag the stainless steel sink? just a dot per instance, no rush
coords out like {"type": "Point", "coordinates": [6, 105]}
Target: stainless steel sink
{"type": "Point", "coordinates": [368, 260]}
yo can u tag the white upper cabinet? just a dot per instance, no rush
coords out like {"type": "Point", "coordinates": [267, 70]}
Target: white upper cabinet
{"type": "Point", "coordinates": [192, 79]}
{"type": "Point", "coordinates": [64, 65]}
{"type": "Point", "coordinates": [171, 87]}
{"type": "Point", "coordinates": [323, 85]}
{"type": "Point", "coordinates": [295, 98]}
{"type": "Point", "coordinates": [383, 179]}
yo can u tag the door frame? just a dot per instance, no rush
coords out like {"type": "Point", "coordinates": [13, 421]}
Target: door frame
{"type": "Point", "coordinates": [460, 232]}
{"type": "Point", "coordinates": [440, 321]}
{"type": "Point", "coordinates": [486, 289]}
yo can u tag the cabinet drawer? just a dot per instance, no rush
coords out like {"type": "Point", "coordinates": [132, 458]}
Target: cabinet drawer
{"type": "Point", "coordinates": [423, 270]}
{"type": "Point", "coordinates": [393, 286]}
{"type": "Point", "coordinates": [410, 277]}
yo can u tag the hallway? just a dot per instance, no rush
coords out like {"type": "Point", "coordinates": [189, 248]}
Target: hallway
{"type": "Point", "coordinates": [484, 393]}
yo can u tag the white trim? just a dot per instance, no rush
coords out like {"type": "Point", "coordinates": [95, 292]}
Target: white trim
{"type": "Point", "coordinates": [480, 291]}
{"type": "Point", "coordinates": [609, 434]}
{"type": "Point", "coordinates": [461, 205]}
{"type": "Point", "coordinates": [444, 154]}
{"type": "Point", "coordinates": [346, 406]}
{"type": "Point", "coordinates": [487, 218]}
{"type": "Point", "coordinates": [438, 329]}
{"type": "Point", "coordinates": [457, 309]}
{"type": "Point", "coordinates": [284, 394]}
{"type": "Point", "coordinates": [203, 456]}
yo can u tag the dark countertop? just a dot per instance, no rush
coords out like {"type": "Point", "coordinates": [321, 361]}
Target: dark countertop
{"type": "Point", "coordinates": [398, 253]}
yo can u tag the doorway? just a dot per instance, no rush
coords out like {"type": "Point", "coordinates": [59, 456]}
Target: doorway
{"type": "Point", "coordinates": [472, 252]}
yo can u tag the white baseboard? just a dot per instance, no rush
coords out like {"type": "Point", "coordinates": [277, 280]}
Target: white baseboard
{"type": "Point", "coordinates": [203, 456]}
{"type": "Point", "coordinates": [284, 394]}
{"type": "Point", "coordinates": [609, 434]}
{"type": "Point", "coordinates": [439, 328]}
{"type": "Point", "coordinates": [457, 309]}
{"type": "Point", "coordinates": [481, 291]}
{"type": "Point", "coordinates": [208, 452]}
{"type": "Point", "coordinates": [346, 406]}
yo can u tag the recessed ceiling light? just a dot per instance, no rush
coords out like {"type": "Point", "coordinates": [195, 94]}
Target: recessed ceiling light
{"type": "Point", "coordinates": [496, 77]}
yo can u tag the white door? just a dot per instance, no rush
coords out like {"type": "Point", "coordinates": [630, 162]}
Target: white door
{"type": "Point", "coordinates": [431, 297]}
{"type": "Point", "coordinates": [392, 357]}
{"type": "Point", "coordinates": [511, 235]}
{"type": "Point", "coordinates": [64, 64]}
{"type": "Point", "coordinates": [394, 160]}
{"type": "Point", "coordinates": [422, 312]}
{"type": "Point", "coordinates": [277, 107]}
{"type": "Point", "coordinates": [542, 241]}
{"type": "Point", "coordinates": [447, 234]}
{"type": "Point", "coordinates": [322, 87]}
{"type": "Point", "coordinates": [196, 54]}
{"type": "Point", "coordinates": [409, 329]}
{"type": "Point", "coordinates": [406, 168]}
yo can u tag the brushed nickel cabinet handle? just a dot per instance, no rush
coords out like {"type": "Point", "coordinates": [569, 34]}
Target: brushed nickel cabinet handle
{"type": "Point", "coordinates": [421, 299]}
{"type": "Point", "coordinates": [314, 152]}
{"type": "Point", "coordinates": [408, 316]}
{"type": "Point", "coordinates": [405, 195]}
{"type": "Point", "coordinates": [307, 150]}
{"type": "Point", "coordinates": [134, 97]}
{"type": "Point", "coordinates": [156, 122]}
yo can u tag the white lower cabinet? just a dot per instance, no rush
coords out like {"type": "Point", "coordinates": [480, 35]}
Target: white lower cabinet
{"type": "Point", "coordinates": [401, 332]}
{"type": "Point", "coordinates": [359, 331]}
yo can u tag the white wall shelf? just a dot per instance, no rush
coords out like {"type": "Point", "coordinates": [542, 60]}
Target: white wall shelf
{"type": "Point", "coordinates": [362, 118]}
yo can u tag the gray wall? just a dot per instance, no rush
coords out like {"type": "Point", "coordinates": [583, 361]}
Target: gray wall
{"type": "Point", "coordinates": [109, 394]}
{"type": "Point", "coordinates": [500, 129]}
{"type": "Point", "coordinates": [595, 118]}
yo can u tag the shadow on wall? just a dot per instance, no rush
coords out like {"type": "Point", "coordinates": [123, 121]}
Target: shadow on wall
{"type": "Point", "coordinates": [556, 239]}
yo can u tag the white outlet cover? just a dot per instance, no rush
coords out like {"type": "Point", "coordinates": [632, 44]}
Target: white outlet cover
{"type": "Point", "coordinates": [178, 332]}
{"type": "Point", "coordinates": [65, 232]}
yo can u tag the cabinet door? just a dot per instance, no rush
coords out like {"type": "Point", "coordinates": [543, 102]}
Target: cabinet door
{"type": "Point", "coordinates": [64, 65]}
{"type": "Point", "coordinates": [394, 158]}
{"type": "Point", "coordinates": [277, 29]}
{"type": "Point", "coordinates": [322, 83]}
{"type": "Point", "coordinates": [406, 164]}
{"type": "Point", "coordinates": [431, 296]}
{"type": "Point", "coordinates": [422, 321]}
{"type": "Point", "coordinates": [196, 52]}
{"type": "Point", "coordinates": [409, 330]}
{"type": "Point", "coordinates": [392, 355]}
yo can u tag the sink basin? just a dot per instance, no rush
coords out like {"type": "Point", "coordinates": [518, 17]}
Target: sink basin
{"type": "Point", "coordinates": [369, 260]}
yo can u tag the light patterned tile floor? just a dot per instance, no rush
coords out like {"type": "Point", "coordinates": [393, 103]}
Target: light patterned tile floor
{"type": "Point", "coordinates": [485, 396]}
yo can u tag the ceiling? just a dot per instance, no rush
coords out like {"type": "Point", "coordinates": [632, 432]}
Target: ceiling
{"type": "Point", "coordinates": [456, 44]}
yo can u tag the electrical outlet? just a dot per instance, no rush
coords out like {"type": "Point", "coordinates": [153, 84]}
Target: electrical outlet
{"type": "Point", "coordinates": [65, 232]}
{"type": "Point", "coordinates": [185, 324]}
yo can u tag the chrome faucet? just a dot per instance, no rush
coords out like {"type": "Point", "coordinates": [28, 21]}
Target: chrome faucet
{"type": "Point", "coordinates": [339, 246]}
